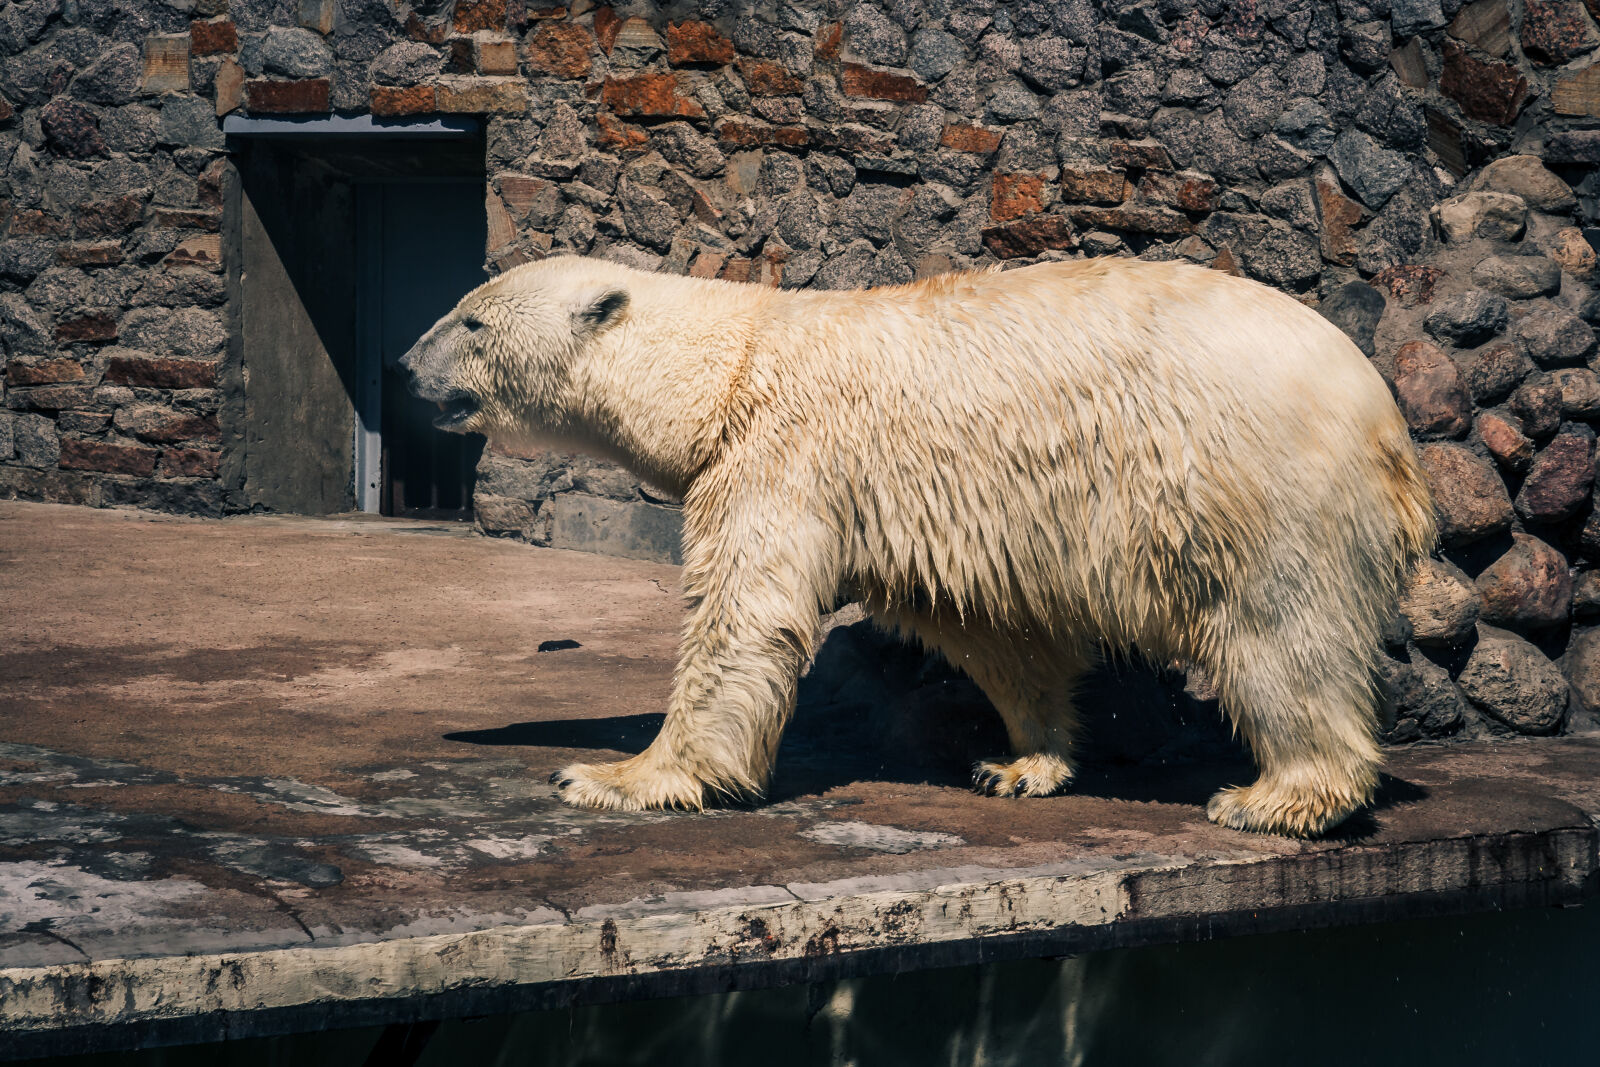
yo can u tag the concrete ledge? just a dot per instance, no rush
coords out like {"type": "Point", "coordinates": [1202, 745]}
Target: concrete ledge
{"type": "Point", "coordinates": [310, 792]}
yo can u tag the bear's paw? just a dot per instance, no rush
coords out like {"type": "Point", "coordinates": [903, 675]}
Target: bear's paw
{"type": "Point", "coordinates": [631, 785]}
{"type": "Point", "coordinates": [1039, 775]}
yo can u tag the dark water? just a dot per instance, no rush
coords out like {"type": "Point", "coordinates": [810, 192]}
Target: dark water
{"type": "Point", "coordinates": [1513, 988]}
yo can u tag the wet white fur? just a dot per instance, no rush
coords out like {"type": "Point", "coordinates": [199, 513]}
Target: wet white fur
{"type": "Point", "coordinates": [1015, 467]}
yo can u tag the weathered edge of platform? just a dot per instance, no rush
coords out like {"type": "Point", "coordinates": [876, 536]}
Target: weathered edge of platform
{"type": "Point", "coordinates": [696, 943]}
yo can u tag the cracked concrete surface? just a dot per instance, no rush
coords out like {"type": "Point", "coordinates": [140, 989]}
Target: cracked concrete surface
{"type": "Point", "coordinates": [266, 773]}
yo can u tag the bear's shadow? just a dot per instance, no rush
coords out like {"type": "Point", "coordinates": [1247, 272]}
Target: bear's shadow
{"type": "Point", "coordinates": [874, 709]}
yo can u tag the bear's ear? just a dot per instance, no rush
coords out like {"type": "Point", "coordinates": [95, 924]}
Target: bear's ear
{"type": "Point", "coordinates": [598, 311]}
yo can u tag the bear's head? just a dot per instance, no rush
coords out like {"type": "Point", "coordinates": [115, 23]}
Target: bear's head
{"type": "Point", "coordinates": [508, 360]}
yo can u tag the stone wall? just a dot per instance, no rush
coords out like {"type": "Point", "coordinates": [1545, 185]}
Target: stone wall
{"type": "Point", "coordinates": [1419, 170]}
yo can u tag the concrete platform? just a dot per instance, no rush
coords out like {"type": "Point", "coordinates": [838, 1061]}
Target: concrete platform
{"type": "Point", "coordinates": [263, 774]}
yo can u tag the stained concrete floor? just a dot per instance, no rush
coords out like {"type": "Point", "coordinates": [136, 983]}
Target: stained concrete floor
{"type": "Point", "coordinates": [256, 771]}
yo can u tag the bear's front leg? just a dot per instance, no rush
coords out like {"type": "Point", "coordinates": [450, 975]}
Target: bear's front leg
{"type": "Point", "coordinates": [753, 622]}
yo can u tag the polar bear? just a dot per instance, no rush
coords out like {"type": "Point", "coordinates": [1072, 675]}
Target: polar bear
{"type": "Point", "coordinates": [1018, 468]}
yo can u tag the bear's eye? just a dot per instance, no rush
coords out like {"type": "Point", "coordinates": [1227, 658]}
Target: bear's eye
{"type": "Point", "coordinates": [472, 322]}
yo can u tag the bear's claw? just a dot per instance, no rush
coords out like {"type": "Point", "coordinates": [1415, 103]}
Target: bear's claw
{"type": "Point", "coordinates": [1038, 775]}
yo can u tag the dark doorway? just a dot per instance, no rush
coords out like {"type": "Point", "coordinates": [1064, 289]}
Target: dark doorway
{"type": "Point", "coordinates": [352, 237]}
{"type": "Point", "coordinates": [420, 250]}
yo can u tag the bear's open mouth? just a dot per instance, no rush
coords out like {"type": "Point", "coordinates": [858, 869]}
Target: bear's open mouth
{"type": "Point", "coordinates": [455, 410]}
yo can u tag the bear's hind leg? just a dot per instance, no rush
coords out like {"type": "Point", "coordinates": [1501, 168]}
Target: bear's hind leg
{"type": "Point", "coordinates": [1030, 683]}
{"type": "Point", "coordinates": [1307, 710]}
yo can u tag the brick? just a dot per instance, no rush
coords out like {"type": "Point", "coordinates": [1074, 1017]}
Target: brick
{"type": "Point", "coordinates": [1340, 216]}
{"type": "Point", "coordinates": [696, 42]}
{"type": "Point", "coordinates": [1137, 155]}
{"type": "Point", "coordinates": [649, 96]}
{"type": "Point", "coordinates": [1028, 237]}
{"type": "Point", "coordinates": [1447, 141]}
{"type": "Point", "coordinates": [99, 217]}
{"type": "Point", "coordinates": [1410, 64]}
{"type": "Point", "coordinates": [305, 97]}
{"type": "Point", "coordinates": [707, 264]}
{"type": "Point", "coordinates": [203, 252]}
{"type": "Point", "coordinates": [473, 15]}
{"type": "Point", "coordinates": [37, 224]}
{"type": "Point", "coordinates": [614, 134]}
{"type": "Point", "coordinates": [459, 56]}
{"type": "Point", "coordinates": [229, 87]}
{"type": "Point", "coordinates": [95, 326]}
{"type": "Point", "coordinates": [561, 49]}
{"type": "Point", "coordinates": [762, 77]}
{"type": "Point", "coordinates": [1555, 31]}
{"type": "Point", "coordinates": [482, 96]}
{"type": "Point", "coordinates": [211, 36]}
{"type": "Point", "coordinates": [107, 458]}
{"type": "Point", "coordinates": [1094, 185]}
{"type": "Point", "coordinates": [520, 191]}
{"type": "Point", "coordinates": [152, 422]}
{"type": "Point", "coordinates": [161, 372]}
{"type": "Point", "coordinates": [606, 27]}
{"type": "Point", "coordinates": [861, 81]}
{"type": "Point", "coordinates": [493, 56]}
{"type": "Point", "coordinates": [1185, 191]}
{"type": "Point", "coordinates": [965, 138]}
{"type": "Point", "coordinates": [1227, 262]}
{"type": "Point", "coordinates": [736, 269]}
{"type": "Point", "coordinates": [1134, 219]}
{"type": "Point", "coordinates": [189, 463]}
{"type": "Point", "coordinates": [1016, 195]}
{"type": "Point", "coordinates": [187, 218]}
{"type": "Point", "coordinates": [317, 15]}
{"type": "Point", "coordinates": [829, 38]}
{"type": "Point", "coordinates": [1487, 90]}
{"type": "Point", "coordinates": [1578, 94]}
{"type": "Point", "coordinates": [166, 64]}
{"type": "Point", "coordinates": [46, 372]}
{"type": "Point", "coordinates": [742, 133]}
{"type": "Point", "coordinates": [90, 254]}
{"type": "Point", "coordinates": [410, 100]}
{"type": "Point", "coordinates": [1485, 25]}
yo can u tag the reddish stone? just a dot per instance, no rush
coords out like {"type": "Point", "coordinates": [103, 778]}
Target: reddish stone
{"type": "Point", "coordinates": [1428, 387]}
{"type": "Point", "coordinates": [71, 129]}
{"type": "Point", "coordinates": [1528, 588]}
{"type": "Point", "coordinates": [1227, 263]}
{"type": "Point", "coordinates": [1487, 90]}
{"type": "Point", "coordinates": [1134, 219]}
{"type": "Point", "coordinates": [857, 80]}
{"type": "Point", "coordinates": [229, 86]}
{"type": "Point", "coordinates": [37, 224]}
{"type": "Point", "coordinates": [696, 42]}
{"type": "Point", "coordinates": [1496, 372]}
{"type": "Point", "coordinates": [614, 134]}
{"type": "Point", "coordinates": [187, 218]}
{"type": "Point", "coordinates": [95, 326]}
{"type": "Point", "coordinates": [426, 32]}
{"type": "Point", "coordinates": [110, 459]}
{"type": "Point", "coordinates": [1340, 217]}
{"type": "Point", "coordinates": [520, 191]}
{"type": "Point", "coordinates": [829, 38]}
{"type": "Point", "coordinates": [750, 134]}
{"type": "Point", "coordinates": [707, 264]}
{"type": "Point", "coordinates": [90, 254]}
{"type": "Point", "coordinates": [1502, 435]}
{"type": "Point", "coordinates": [474, 15]}
{"type": "Point", "coordinates": [210, 36]}
{"type": "Point", "coordinates": [561, 49]}
{"type": "Point", "coordinates": [964, 138]}
{"type": "Point", "coordinates": [1137, 155]}
{"type": "Point", "coordinates": [109, 216]}
{"type": "Point", "coordinates": [494, 57]}
{"type": "Point", "coordinates": [1094, 185]}
{"type": "Point", "coordinates": [606, 27]}
{"type": "Point", "coordinates": [6, 111]}
{"type": "Point", "coordinates": [649, 96]}
{"type": "Point", "coordinates": [1028, 237]}
{"type": "Point", "coordinates": [1016, 195]}
{"type": "Point", "coordinates": [409, 100]}
{"type": "Point", "coordinates": [1468, 494]}
{"type": "Point", "coordinates": [47, 372]}
{"type": "Point", "coordinates": [736, 269]}
{"type": "Point", "coordinates": [161, 372]}
{"type": "Point", "coordinates": [1186, 191]}
{"type": "Point", "coordinates": [1559, 481]}
{"type": "Point", "coordinates": [1411, 284]}
{"type": "Point", "coordinates": [1555, 31]}
{"type": "Point", "coordinates": [766, 78]}
{"type": "Point", "coordinates": [309, 96]}
{"type": "Point", "coordinates": [189, 463]}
